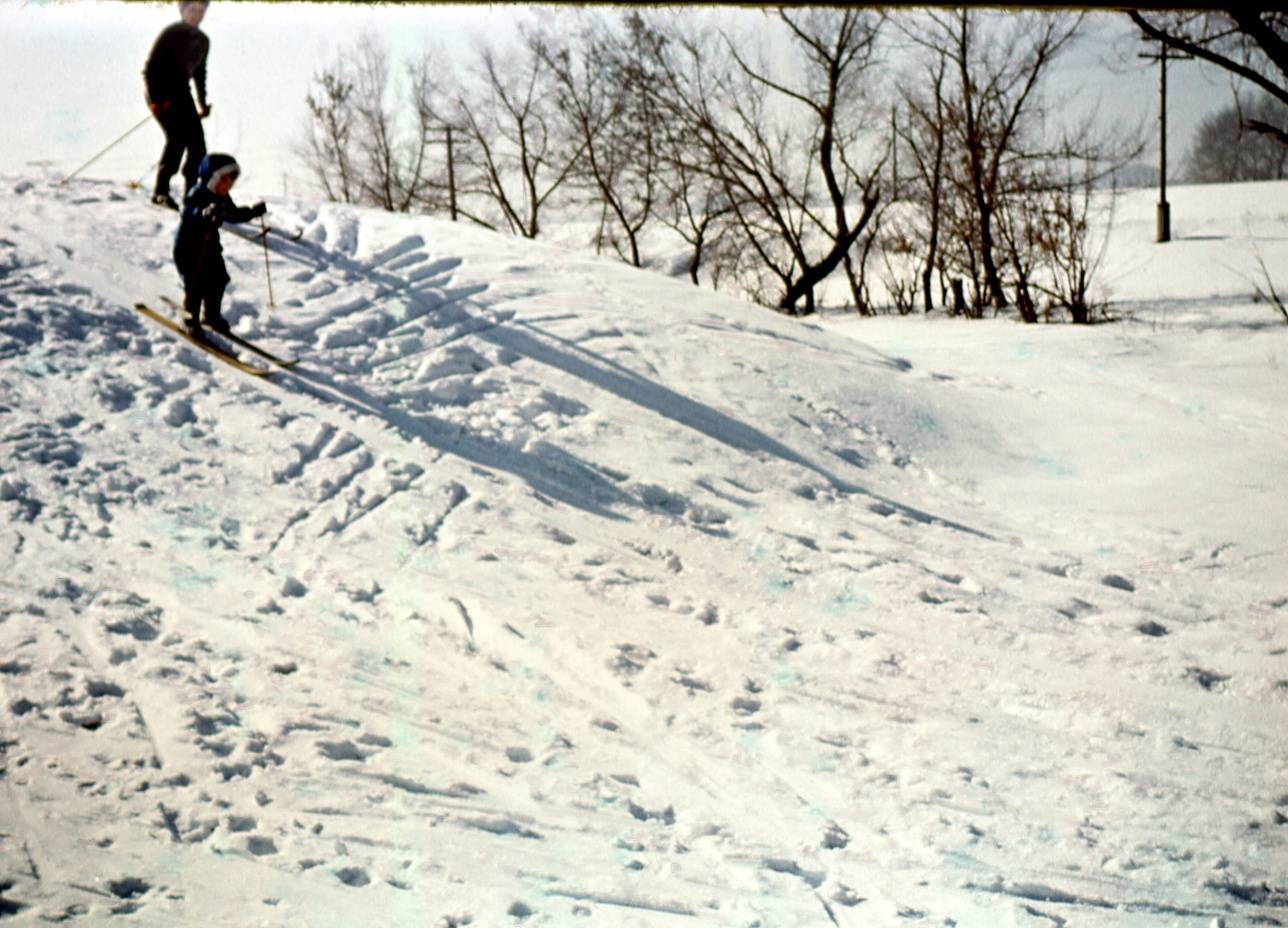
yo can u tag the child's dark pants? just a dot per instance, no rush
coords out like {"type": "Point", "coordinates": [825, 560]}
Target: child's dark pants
{"type": "Point", "coordinates": [209, 293]}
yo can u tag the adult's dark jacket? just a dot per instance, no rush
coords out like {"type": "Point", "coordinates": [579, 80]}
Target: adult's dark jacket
{"type": "Point", "coordinates": [198, 253]}
{"type": "Point", "coordinates": [178, 56]}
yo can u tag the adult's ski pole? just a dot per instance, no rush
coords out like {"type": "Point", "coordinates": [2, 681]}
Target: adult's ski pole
{"type": "Point", "coordinates": [124, 135]}
{"type": "Point", "coordinates": [136, 184]}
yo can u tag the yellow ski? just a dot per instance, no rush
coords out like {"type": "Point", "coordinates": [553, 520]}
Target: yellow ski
{"type": "Point", "coordinates": [225, 356]}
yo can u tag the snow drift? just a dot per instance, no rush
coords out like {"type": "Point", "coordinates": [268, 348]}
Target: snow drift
{"type": "Point", "coordinates": [545, 591]}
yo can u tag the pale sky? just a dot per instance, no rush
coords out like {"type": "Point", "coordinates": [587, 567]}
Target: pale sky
{"type": "Point", "coordinates": [77, 80]}
{"type": "Point", "coordinates": [74, 77]}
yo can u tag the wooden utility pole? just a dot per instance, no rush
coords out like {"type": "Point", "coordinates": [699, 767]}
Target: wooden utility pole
{"type": "Point", "coordinates": [451, 168]}
{"type": "Point", "coordinates": [451, 176]}
{"type": "Point", "coordinates": [894, 154]}
{"type": "Point", "coordinates": [1163, 223]}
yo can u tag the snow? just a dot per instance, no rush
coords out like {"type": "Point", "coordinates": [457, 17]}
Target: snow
{"type": "Point", "coordinates": [546, 591]}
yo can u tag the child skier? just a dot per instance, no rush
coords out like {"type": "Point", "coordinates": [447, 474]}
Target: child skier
{"type": "Point", "coordinates": [197, 250]}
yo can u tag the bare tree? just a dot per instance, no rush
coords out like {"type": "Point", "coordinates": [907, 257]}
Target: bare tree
{"type": "Point", "coordinates": [856, 267]}
{"type": "Point", "coordinates": [901, 242]}
{"type": "Point", "coordinates": [787, 154]}
{"type": "Point", "coordinates": [1248, 42]}
{"type": "Point", "coordinates": [1021, 219]}
{"type": "Point", "coordinates": [615, 124]}
{"type": "Point", "coordinates": [1013, 205]}
{"type": "Point", "coordinates": [1073, 240]}
{"type": "Point", "coordinates": [1225, 150]}
{"type": "Point", "coordinates": [516, 157]}
{"type": "Point", "coordinates": [695, 208]}
{"type": "Point", "coordinates": [668, 66]}
{"type": "Point", "coordinates": [329, 145]}
{"type": "Point", "coordinates": [997, 64]}
{"type": "Point", "coordinates": [924, 135]}
{"type": "Point", "coordinates": [358, 143]}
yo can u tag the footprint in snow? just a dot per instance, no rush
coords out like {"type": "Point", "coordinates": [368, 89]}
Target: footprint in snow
{"type": "Point", "coordinates": [1114, 581]}
{"type": "Point", "coordinates": [88, 719]}
{"type": "Point", "coordinates": [813, 879]}
{"type": "Point", "coordinates": [260, 846]}
{"type": "Point", "coordinates": [631, 659]}
{"type": "Point", "coordinates": [129, 887]}
{"type": "Point", "coordinates": [8, 906]}
{"type": "Point", "coordinates": [559, 536]}
{"type": "Point", "coordinates": [1210, 680]}
{"type": "Point", "coordinates": [103, 688]}
{"type": "Point", "coordinates": [144, 627]}
{"type": "Point", "coordinates": [1077, 608]}
{"type": "Point", "coordinates": [207, 726]}
{"type": "Point", "coordinates": [113, 395]}
{"type": "Point", "coordinates": [694, 685]}
{"type": "Point", "coordinates": [343, 750]}
{"type": "Point", "coordinates": [665, 816]}
{"type": "Point", "coordinates": [238, 824]}
{"type": "Point", "coordinates": [353, 876]}
{"type": "Point", "coordinates": [179, 413]}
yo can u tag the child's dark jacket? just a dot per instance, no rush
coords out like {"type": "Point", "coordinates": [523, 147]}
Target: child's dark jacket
{"type": "Point", "coordinates": [198, 252]}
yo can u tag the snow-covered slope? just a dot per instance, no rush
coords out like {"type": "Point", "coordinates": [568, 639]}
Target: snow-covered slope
{"type": "Point", "coordinates": [545, 591]}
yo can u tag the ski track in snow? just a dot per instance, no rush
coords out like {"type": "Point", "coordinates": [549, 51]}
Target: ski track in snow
{"type": "Point", "coordinates": [514, 607]}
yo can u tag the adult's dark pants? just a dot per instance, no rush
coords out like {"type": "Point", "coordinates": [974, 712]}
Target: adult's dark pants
{"type": "Point", "coordinates": [183, 133]}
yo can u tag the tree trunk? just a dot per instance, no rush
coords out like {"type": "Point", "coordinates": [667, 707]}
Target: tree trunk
{"type": "Point", "coordinates": [815, 274]}
{"type": "Point", "coordinates": [992, 278]}
{"type": "Point", "coordinates": [1024, 303]}
{"type": "Point", "coordinates": [959, 297]}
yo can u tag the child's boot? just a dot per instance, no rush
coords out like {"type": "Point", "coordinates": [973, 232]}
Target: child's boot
{"type": "Point", "coordinates": [212, 318]}
{"type": "Point", "coordinates": [190, 322]}
{"type": "Point", "coordinates": [217, 323]}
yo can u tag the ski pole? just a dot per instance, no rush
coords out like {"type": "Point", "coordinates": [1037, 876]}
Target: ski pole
{"type": "Point", "coordinates": [128, 132]}
{"type": "Point", "coordinates": [136, 184]}
{"type": "Point", "coordinates": [263, 237]}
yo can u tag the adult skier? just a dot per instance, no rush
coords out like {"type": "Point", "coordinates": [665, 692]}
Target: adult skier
{"type": "Point", "coordinates": [197, 250]}
{"type": "Point", "coordinates": [178, 57]}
